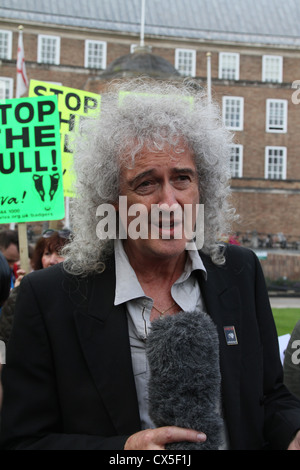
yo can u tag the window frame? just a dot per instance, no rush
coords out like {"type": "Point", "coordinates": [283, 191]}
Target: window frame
{"type": "Point", "coordinates": [284, 162]}
{"type": "Point", "coordinates": [222, 55]}
{"type": "Point", "coordinates": [264, 68]}
{"type": "Point", "coordinates": [40, 59]}
{"type": "Point", "coordinates": [179, 51]}
{"type": "Point", "coordinates": [240, 127]}
{"type": "Point", "coordinates": [10, 88]}
{"type": "Point", "coordinates": [9, 44]}
{"type": "Point", "coordinates": [240, 160]}
{"type": "Point", "coordinates": [86, 55]}
{"type": "Point", "coordinates": [270, 129]}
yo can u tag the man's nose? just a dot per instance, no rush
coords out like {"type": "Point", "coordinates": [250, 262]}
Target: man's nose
{"type": "Point", "coordinates": [167, 195]}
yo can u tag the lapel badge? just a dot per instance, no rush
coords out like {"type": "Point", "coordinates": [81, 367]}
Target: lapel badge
{"type": "Point", "coordinates": [230, 335]}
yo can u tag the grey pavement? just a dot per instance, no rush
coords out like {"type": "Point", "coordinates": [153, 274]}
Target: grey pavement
{"type": "Point", "coordinates": [285, 302]}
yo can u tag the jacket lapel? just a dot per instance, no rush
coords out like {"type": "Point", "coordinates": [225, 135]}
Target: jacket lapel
{"type": "Point", "coordinates": [103, 334]}
{"type": "Point", "coordinates": [223, 304]}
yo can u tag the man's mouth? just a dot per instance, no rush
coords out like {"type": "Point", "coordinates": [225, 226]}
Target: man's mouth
{"type": "Point", "coordinates": [168, 228]}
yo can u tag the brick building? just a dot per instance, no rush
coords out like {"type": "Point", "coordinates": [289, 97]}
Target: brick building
{"type": "Point", "coordinates": [255, 64]}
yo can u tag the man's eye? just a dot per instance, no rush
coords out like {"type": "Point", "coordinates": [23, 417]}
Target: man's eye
{"type": "Point", "coordinates": [182, 179]}
{"type": "Point", "coordinates": [145, 186]}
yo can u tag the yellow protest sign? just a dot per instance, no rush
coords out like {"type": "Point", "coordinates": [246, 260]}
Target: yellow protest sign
{"type": "Point", "coordinates": [73, 104]}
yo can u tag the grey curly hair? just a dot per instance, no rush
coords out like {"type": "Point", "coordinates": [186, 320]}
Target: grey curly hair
{"type": "Point", "coordinates": [133, 114]}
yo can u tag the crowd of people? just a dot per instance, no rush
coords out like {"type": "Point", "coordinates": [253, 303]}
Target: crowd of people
{"type": "Point", "coordinates": [77, 348]}
{"type": "Point", "coordinates": [44, 253]}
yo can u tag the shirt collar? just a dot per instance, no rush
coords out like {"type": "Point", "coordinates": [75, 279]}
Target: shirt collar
{"type": "Point", "coordinates": [127, 284]}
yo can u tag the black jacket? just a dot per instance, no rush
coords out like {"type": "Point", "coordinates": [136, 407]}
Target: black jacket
{"type": "Point", "coordinates": [68, 381]}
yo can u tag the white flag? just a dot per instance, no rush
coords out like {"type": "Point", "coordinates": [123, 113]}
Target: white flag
{"type": "Point", "coordinates": [22, 80]}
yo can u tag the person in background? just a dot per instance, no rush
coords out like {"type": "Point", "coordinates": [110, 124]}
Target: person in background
{"type": "Point", "coordinates": [5, 282]}
{"type": "Point", "coordinates": [47, 250]}
{"type": "Point", "coordinates": [77, 351]}
{"type": "Point", "coordinates": [45, 253]}
{"type": "Point", "coordinates": [5, 274]}
{"type": "Point", "coordinates": [9, 246]}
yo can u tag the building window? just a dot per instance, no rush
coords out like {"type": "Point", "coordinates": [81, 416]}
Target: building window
{"type": "Point", "coordinates": [185, 62]}
{"type": "Point", "coordinates": [233, 112]}
{"type": "Point", "coordinates": [95, 54]}
{"type": "Point", "coordinates": [272, 68]}
{"type": "Point", "coordinates": [275, 163]}
{"type": "Point", "coordinates": [229, 66]}
{"type": "Point", "coordinates": [236, 161]}
{"type": "Point", "coordinates": [6, 88]}
{"type": "Point", "coordinates": [276, 115]}
{"type": "Point", "coordinates": [5, 44]}
{"type": "Point", "coordinates": [48, 49]}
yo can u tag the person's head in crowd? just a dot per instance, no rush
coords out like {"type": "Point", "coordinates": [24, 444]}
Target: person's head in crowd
{"type": "Point", "coordinates": [5, 279]}
{"type": "Point", "coordinates": [47, 249]}
{"type": "Point", "coordinates": [9, 246]}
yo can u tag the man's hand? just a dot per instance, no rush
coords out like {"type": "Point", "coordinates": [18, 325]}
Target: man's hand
{"type": "Point", "coordinates": [156, 439]}
{"type": "Point", "coordinates": [295, 444]}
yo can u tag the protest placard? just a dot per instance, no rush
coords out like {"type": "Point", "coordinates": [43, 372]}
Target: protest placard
{"type": "Point", "coordinates": [30, 160]}
{"type": "Point", "coordinates": [73, 104]}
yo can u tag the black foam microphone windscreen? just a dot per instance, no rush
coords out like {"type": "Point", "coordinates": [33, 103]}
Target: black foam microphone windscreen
{"type": "Point", "coordinates": [185, 380]}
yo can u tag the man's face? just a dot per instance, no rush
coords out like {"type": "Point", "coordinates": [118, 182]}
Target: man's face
{"type": "Point", "coordinates": [11, 254]}
{"type": "Point", "coordinates": [168, 180]}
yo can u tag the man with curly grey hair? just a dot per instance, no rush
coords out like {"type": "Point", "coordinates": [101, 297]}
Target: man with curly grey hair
{"type": "Point", "coordinates": [155, 158]}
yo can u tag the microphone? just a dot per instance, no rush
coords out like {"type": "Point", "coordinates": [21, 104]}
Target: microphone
{"type": "Point", "coordinates": [185, 380]}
